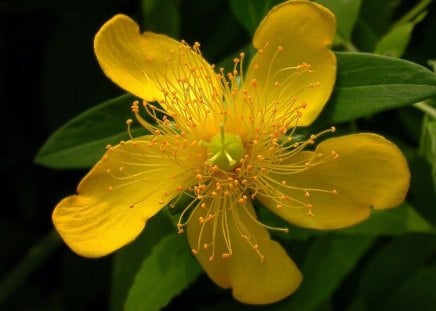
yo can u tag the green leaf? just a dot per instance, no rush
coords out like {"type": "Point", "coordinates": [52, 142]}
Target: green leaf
{"type": "Point", "coordinates": [34, 259]}
{"type": "Point", "coordinates": [395, 42]}
{"type": "Point", "coordinates": [415, 12]}
{"type": "Point", "coordinates": [376, 19]}
{"type": "Point", "coordinates": [81, 142]}
{"type": "Point", "coordinates": [396, 221]}
{"type": "Point", "coordinates": [329, 260]}
{"type": "Point", "coordinates": [128, 260]}
{"type": "Point", "coordinates": [156, 11]}
{"type": "Point", "coordinates": [346, 12]}
{"type": "Point", "coordinates": [164, 274]}
{"type": "Point", "coordinates": [250, 12]}
{"type": "Point", "coordinates": [432, 63]}
{"type": "Point", "coordinates": [392, 222]}
{"type": "Point", "coordinates": [427, 148]}
{"type": "Point", "coordinates": [422, 194]}
{"type": "Point", "coordinates": [391, 267]}
{"type": "Point", "coordinates": [368, 84]}
{"type": "Point", "coordinates": [417, 293]}
{"type": "Point", "coordinates": [378, 15]}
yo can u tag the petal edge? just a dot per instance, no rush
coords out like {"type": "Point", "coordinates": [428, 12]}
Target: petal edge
{"type": "Point", "coordinates": [311, 28]}
{"type": "Point", "coordinates": [371, 172]}
{"type": "Point", "coordinates": [251, 280]}
{"type": "Point", "coordinates": [115, 199]}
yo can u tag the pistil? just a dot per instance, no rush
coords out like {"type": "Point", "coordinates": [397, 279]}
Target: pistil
{"type": "Point", "coordinates": [225, 150]}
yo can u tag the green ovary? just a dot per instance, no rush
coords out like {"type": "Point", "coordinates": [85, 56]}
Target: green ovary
{"type": "Point", "coordinates": [225, 150]}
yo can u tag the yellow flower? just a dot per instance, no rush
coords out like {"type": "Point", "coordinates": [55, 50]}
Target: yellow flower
{"type": "Point", "coordinates": [225, 140]}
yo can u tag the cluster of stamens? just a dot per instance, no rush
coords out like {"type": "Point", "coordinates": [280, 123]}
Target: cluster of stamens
{"type": "Point", "coordinates": [230, 138]}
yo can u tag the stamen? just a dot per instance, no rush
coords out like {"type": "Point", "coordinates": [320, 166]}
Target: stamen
{"type": "Point", "coordinates": [233, 141]}
{"type": "Point", "coordinates": [226, 150]}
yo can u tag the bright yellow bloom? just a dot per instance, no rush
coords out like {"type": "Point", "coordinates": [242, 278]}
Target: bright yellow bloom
{"type": "Point", "coordinates": [225, 140]}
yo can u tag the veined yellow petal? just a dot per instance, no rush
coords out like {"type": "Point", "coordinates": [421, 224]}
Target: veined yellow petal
{"type": "Point", "coordinates": [368, 172]}
{"type": "Point", "coordinates": [155, 67]}
{"type": "Point", "coordinates": [123, 52]}
{"type": "Point", "coordinates": [259, 271]}
{"type": "Point", "coordinates": [130, 184]}
{"type": "Point", "coordinates": [294, 65]}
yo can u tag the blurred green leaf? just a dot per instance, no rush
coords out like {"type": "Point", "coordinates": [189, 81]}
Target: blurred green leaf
{"type": "Point", "coordinates": [164, 274]}
{"type": "Point", "coordinates": [374, 21]}
{"type": "Point", "coordinates": [154, 12]}
{"type": "Point", "coordinates": [391, 268]}
{"type": "Point", "coordinates": [346, 12]}
{"type": "Point", "coordinates": [415, 12]}
{"type": "Point", "coordinates": [396, 221]}
{"type": "Point", "coordinates": [128, 260]}
{"type": "Point", "coordinates": [417, 293]}
{"type": "Point", "coordinates": [395, 42]}
{"type": "Point", "coordinates": [364, 38]}
{"type": "Point", "coordinates": [427, 147]}
{"type": "Point", "coordinates": [250, 12]}
{"type": "Point", "coordinates": [368, 83]}
{"type": "Point", "coordinates": [409, 119]}
{"type": "Point", "coordinates": [329, 260]}
{"type": "Point", "coordinates": [35, 257]}
{"type": "Point", "coordinates": [422, 195]}
{"type": "Point", "coordinates": [81, 142]}
{"type": "Point", "coordinates": [432, 63]}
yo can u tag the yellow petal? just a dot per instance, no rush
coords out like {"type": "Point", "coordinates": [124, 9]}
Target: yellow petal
{"type": "Point", "coordinates": [122, 53]}
{"type": "Point", "coordinates": [252, 280]}
{"type": "Point", "coordinates": [292, 34]}
{"type": "Point", "coordinates": [369, 172]}
{"type": "Point", "coordinates": [147, 64]}
{"type": "Point", "coordinates": [156, 67]}
{"type": "Point", "coordinates": [125, 188]}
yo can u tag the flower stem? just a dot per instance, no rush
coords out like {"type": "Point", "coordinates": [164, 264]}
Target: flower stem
{"type": "Point", "coordinates": [345, 43]}
{"type": "Point", "coordinates": [34, 258]}
{"type": "Point", "coordinates": [413, 12]}
{"type": "Point", "coordinates": [429, 110]}
{"type": "Point", "coordinates": [349, 46]}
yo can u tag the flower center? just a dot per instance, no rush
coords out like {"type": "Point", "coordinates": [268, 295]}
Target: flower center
{"type": "Point", "coordinates": [226, 150]}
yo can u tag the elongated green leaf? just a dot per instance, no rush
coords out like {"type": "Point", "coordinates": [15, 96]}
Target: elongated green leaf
{"type": "Point", "coordinates": [128, 260]}
{"type": "Point", "coordinates": [378, 15]}
{"type": "Point", "coordinates": [422, 193]}
{"type": "Point", "coordinates": [395, 42]}
{"type": "Point", "coordinates": [82, 140]}
{"type": "Point", "coordinates": [432, 63]}
{"type": "Point", "coordinates": [156, 11]}
{"type": "Point", "coordinates": [346, 12]}
{"type": "Point", "coordinates": [329, 260]}
{"type": "Point", "coordinates": [427, 146]}
{"type": "Point", "coordinates": [396, 221]}
{"type": "Point", "coordinates": [368, 83]}
{"type": "Point", "coordinates": [417, 293]}
{"type": "Point", "coordinates": [393, 222]}
{"type": "Point", "coordinates": [390, 269]}
{"type": "Point", "coordinates": [163, 275]}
